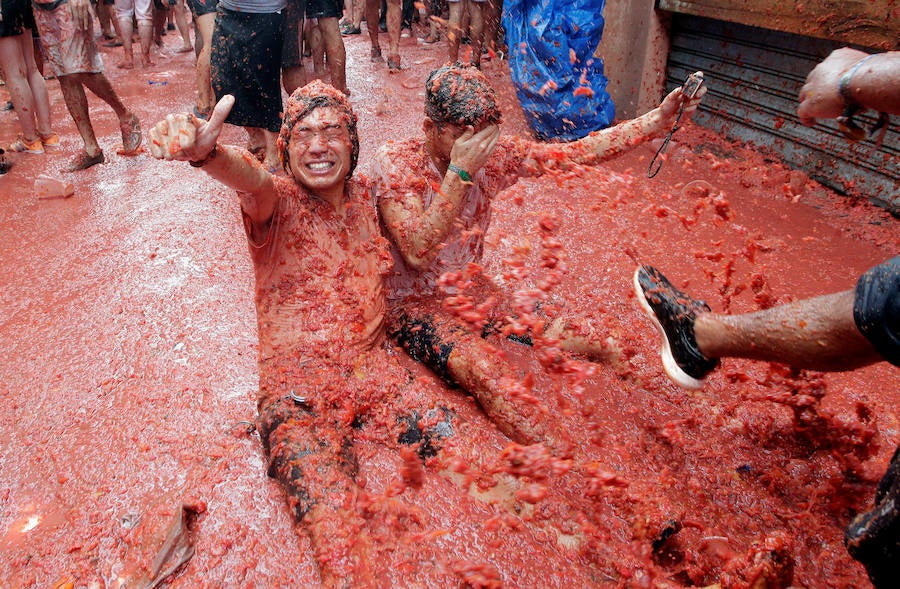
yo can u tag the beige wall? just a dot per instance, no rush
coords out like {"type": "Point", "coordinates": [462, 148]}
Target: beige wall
{"type": "Point", "coordinates": [870, 23]}
{"type": "Point", "coordinates": [634, 48]}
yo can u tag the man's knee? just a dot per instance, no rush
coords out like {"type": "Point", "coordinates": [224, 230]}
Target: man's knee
{"type": "Point", "coordinates": [420, 339]}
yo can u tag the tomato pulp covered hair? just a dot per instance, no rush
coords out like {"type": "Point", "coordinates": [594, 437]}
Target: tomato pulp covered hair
{"type": "Point", "coordinates": [456, 94]}
{"type": "Point", "coordinates": [316, 94]}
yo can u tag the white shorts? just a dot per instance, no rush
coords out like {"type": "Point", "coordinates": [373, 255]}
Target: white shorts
{"type": "Point", "coordinates": [140, 9]}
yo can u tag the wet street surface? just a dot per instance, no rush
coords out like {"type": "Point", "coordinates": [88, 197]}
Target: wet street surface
{"type": "Point", "coordinates": [128, 378]}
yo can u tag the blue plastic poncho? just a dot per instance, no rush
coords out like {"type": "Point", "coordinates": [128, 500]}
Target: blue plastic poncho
{"type": "Point", "coordinates": [559, 82]}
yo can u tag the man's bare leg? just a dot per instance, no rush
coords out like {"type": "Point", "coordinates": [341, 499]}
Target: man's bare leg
{"type": "Point", "coordinates": [373, 7]}
{"type": "Point", "coordinates": [129, 124]}
{"type": "Point", "coordinates": [491, 380]}
{"type": "Point", "coordinates": [126, 30]}
{"type": "Point", "coordinates": [206, 98]}
{"type": "Point", "coordinates": [293, 77]}
{"type": "Point", "coordinates": [271, 161]}
{"type": "Point", "coordinates": [476, 32]}
{"type": "Point", "coordinates": [394, 15]}
{"type": "Point", "coordinates": [454, 29]}
{"type": "Point", "coordinates": [313, 36]}
{"type": "Point", "coordinates": [76, 103]}
{"type": "Point", "coordinates": [181, 13]}
{"type": "Point", "coordinates": [335, 53]}
{"type": "Point", "coordinates": [816, 334]}
{"type": "Point", "coordinates": [145, 33]}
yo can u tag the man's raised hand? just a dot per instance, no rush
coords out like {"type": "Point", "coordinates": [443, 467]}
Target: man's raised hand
{"type": "Point", "coordinates": [184, 137]}
{"type": "Point", "coordinates": [471, 150]}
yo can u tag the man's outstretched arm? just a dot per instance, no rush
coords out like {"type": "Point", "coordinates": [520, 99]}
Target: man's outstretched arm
{"type": "Point", "coordinates": [184, 137]}
{"type": "Point", "coordinates": [601, 145]}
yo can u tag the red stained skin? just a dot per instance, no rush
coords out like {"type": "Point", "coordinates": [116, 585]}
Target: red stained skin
{"type": "Point", "coordinates": [130, 375]}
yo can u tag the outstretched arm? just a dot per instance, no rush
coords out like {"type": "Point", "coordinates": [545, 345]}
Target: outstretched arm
{"type": "Point", "coordinates": [184, 137]}
{"type": "Point", "coordinates": [602, 145]}
{"type": "Point", "coordinates": [418, 230]}
{"type": "Point", "coordinates": [873, 84]}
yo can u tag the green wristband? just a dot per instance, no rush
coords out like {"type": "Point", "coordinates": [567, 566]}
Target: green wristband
{"type": "Point", "coordinates": [464, 176]}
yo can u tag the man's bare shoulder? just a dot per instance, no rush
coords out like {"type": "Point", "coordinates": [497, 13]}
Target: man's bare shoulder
{"type": "Point", "coordinates": [395, 155]}
{"type": "Point", "coordinates": [287, 186]}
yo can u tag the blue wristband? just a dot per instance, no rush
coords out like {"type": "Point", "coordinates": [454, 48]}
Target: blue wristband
{"type": "Point", "coordinates": [464, 176]}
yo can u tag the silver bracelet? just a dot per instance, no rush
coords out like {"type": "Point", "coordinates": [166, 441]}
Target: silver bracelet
{"type": "Point", "coordinates": [844, 84]}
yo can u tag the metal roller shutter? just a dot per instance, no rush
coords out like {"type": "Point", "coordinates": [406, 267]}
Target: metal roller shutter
{"type": "Point", "coordinates": [754, 77]}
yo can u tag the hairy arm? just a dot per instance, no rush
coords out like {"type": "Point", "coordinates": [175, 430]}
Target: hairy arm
{"type": "Point", "coordinates": [875, 84]}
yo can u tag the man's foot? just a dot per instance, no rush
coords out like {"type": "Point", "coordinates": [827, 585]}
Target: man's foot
{"type": "Point", "coordinates": [5, 164]}
{"type": "Point", "coordinates": [348, 29]}
{"type": "Point", "coordinates": [184, 49]}
{"type": "Point", "coordinates": [393, 63]}
{"type": "Point", "coordinates": [674, 313]}
{"type": "Point", "coordinates": [376, 55]}
{"type": "Point", "coordinates": [131, 135]}
{"type": "Point", "coordinates": [50, 139]}
{"type": "Point", "coordinates": [202, 114]}
{"type": "Point", "coordinates": [23, 145]}
{"type": "Point", "coordinates": [873, 537]}
{"type": "Point", "coordinates": [83, 161]}
{"type": "Point", "coordinates": [147, 61]}
{"type": "Point", "coordinates": [115, 42]}
{"type": "Point", "coordinates": [8, 106]}
{"type": "Point", "coordinates": [431, 38]}
{"type": "Point", "coordinates": [405, 33]}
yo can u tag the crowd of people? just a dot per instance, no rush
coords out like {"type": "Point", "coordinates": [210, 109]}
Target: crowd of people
{"type": "Point", "coordinates": [244, 48]}
{"type": "Point", "coordinates": [281, 32]}
{"type": "Point", "coordinates": [344, 261]}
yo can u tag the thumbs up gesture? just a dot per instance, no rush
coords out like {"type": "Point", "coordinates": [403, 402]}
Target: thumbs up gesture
{"type": "Point", "coordinates": [184, 137]}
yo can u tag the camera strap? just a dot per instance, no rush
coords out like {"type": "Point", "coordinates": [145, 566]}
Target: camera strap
{"type": "Point", "coordinates": [657, 159]}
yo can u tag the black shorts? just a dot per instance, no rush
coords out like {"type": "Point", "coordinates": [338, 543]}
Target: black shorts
{"type": "Point", "coordinates": [245, 62]}
{"type": "Point", "coordinates": [17, 16]}
{"type": "Point", "coordinates": [421, 339]}
{"type": "Point", "coordinates": [293, 15]}
{"type": "Point", "coordinates": [876, 308]}
{"type": "Point", "coordinates": [201, 7]}
{"type": "Point", "coordinates": [324, 9]}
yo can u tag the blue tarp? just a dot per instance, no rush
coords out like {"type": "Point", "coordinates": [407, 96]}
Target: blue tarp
{"type": "Point", "coordinates": [559, 83]}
